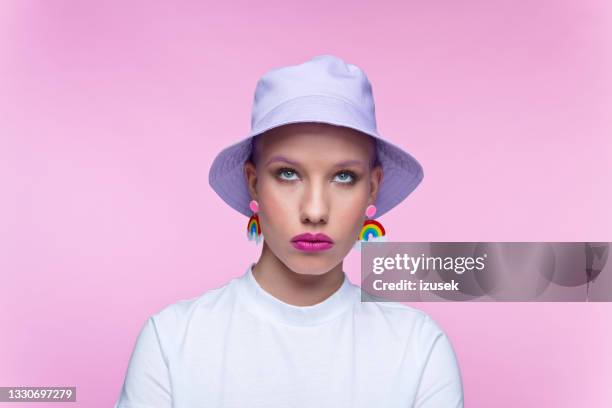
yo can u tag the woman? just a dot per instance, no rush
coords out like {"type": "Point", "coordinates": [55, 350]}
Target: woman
{"type": "Point", "coordinates": [292, 331]}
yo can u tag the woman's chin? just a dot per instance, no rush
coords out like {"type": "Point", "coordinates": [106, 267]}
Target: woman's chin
{"type": "Point", "coordinates": [312, 265]}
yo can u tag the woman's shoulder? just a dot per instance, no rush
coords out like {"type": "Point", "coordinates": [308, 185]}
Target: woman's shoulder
{"type": "Point", "coordinates": [177, 314]}
{"type": "Point", "coordinates": [403, 318]}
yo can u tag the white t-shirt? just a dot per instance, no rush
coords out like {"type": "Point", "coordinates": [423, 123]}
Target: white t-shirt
{"type": "Point", "coordinates": [239, 346]}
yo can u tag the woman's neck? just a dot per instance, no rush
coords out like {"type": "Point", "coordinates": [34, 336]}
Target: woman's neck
{"type": "Point", "coordinates": [294, 288]}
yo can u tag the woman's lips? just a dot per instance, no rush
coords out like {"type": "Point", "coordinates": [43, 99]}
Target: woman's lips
{"type": "Point", "coordinates": [312, 242]}
{"type": "Point", "coordinates": [312, 246]}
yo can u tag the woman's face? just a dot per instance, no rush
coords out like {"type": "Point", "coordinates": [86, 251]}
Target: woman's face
{"type": "Point", "coordinates": [312, 178]}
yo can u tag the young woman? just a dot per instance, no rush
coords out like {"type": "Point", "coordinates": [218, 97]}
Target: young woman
{"type": "Point", "coordinates": [292, 330]}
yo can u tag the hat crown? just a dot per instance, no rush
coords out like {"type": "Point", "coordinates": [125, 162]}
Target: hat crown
{"type": "Point", "coordinates": [325, 75]}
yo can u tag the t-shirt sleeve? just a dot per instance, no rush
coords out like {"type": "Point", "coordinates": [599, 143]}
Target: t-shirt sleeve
{"type": "Point", "coordinates": [441, 384]}
{"type": "Point", "coordinates": [147, 380]}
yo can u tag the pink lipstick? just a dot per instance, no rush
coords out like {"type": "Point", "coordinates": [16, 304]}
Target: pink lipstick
{"type": "Point", "coordinates": [312, 242]}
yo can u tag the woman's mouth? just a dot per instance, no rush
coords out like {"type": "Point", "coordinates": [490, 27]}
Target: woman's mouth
{"type": "Point", "coordinates": [312, 242]}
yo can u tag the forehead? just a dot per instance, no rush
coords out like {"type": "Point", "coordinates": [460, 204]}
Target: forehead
{"type": "Point", "coordinates": [315, 139]}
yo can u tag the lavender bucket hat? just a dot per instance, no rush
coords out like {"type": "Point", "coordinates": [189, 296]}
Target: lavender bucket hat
{"type": "Point", "coordinates": [324, 89]}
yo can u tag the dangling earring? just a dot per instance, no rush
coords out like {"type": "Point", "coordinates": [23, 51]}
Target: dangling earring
{"type": "Point", "coordinates": [253, 227]}
{"type": "Point", "coordinates": [372, 231]}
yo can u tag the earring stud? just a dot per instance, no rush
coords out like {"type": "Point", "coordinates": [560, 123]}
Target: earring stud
{"type": "Point", "coordinates": [254, 206]}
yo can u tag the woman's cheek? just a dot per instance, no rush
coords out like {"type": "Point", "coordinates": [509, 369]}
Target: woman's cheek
{"type": "Point", "coordinates": [279, 205]}
{"type": "Point", "coordinates": [276, 214]}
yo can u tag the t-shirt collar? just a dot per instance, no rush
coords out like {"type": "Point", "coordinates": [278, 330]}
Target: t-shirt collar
{"type": "Point", "coordinates": [260, 300]}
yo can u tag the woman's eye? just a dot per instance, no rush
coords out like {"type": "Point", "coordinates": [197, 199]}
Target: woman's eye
{"type": "Point", "coordinates": [345, 177]}
{"type": "Point", "coordinates": [287, 174]}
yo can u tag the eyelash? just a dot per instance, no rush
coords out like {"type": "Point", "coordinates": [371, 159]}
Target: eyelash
{"type": "Point", "coordinates": [282, 170]}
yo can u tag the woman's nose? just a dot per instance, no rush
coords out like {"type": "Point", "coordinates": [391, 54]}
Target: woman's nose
{"type": "Point", "coordinates": [315, 208]}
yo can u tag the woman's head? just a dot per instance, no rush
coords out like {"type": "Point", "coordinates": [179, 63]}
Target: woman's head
{"type": "Point", "coordinates": [312, 178]}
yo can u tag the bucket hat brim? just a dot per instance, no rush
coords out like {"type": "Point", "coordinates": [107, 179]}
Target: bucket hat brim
{"type": "Point", "coordinates": [402, 173]}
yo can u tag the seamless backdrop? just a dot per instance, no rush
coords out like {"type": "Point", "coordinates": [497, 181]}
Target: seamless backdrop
{"type": "Point", "coordinates": [112, 111]}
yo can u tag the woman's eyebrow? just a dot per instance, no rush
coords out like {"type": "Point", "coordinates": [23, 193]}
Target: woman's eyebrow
{"type": "Point", "coordinates": [350, 163]}
{"type": "Point", "coordinates": [281, 159]}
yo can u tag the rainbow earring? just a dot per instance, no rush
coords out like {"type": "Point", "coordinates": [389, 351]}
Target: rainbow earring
{"type": "Point", "coordinates": [253, 226]}
{"type": "Point", "coordinates": [372, 230]}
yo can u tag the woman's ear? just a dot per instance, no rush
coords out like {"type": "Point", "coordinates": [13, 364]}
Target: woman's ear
{"type": "Point", "coordinates": [376, 176]}
{"type": "Point", "coordinates": [250, 173]}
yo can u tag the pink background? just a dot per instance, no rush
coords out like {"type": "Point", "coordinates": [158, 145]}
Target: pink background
{"type": "Point", "coordinates": [111, 114]}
